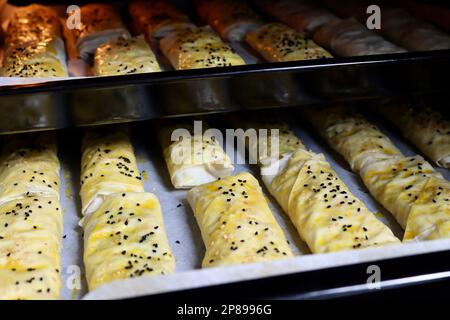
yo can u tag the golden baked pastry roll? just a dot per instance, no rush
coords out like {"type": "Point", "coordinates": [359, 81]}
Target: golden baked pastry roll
{"type": "Point", "coordinates": [32, 24]}
{"type": "Point", "coordinates": [351, 135]}
{"type": "Point", "coordinates": [236, 223]}
{"type": "Point", "coordinates": [232, 19]}
{"type": "Point", "coordinates": [100, 23]}
{"type": "Point", "coordinates": [29, 167]}
{"type": "Point", "coordinates": [303, 17]}
{"type": "Point", "coordinates": [125, 238]}
{"type": "Point", "coordinates": [34, 45]}
{"type": "Point", "coordinates": [36, 60]}
{"type": "Point", "coordinates": [193, 158]}
{"type": "Point", "coordinates": [428, 129]}
{"type": "Point", "coordinates": [30, 241]}
{"type": "Point", "coordinates": [348, 38]}
{"type": "Point", "coordinates": [108, 165]}
{"type": "Point", "coordinates": [277, 42]}
{"type": "Point", "coordinates": [125, 56]}
{"type": "Point", "coordinates": [408, 187]}
{"type": "Point", "coordinates": [198, 48]}
{"type": "Point", "coordinates": [157, 18]}
{"type": "Point", "coordinates": [328, 217]}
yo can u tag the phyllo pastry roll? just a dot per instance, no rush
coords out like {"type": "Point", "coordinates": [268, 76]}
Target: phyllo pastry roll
{"type": "Point", "coordinates": [347, 38]}
{"type": "Point", "coordinates": [30, 236]}
{"type": "Point", "coordinates": [193, 158]}
{"type": "Point", "coordinates": [414, 193]}
{"type": "Point", "coordinates": [277, 42]}
{"type": "Point", "coordinates": [404, 29]}
{"type": "Point", "coordinates": [125, 56]}
{"type": "Point", "coordinates": [100, 23]}
{"type": "Point", "coordinates": [33, 44]}
{"type": "Point", "coordinates": [428, 129]}
{"type": "Point", "coordinates": [32, 24]}
{"type": "Point", "coordinates": [268, 147]}
{"type": "Point", "coordinates": [409, 187]}
{"type": "Point", "coordinates": [300, 15]}
{"type": "Point", "coordinates": [236, 223]}
{"type": "Point", "coordinates": [232, 19]}
{"type": "Point", "coordinates": [351, 135]}
{"type": "Point", "coordinates": [29, 167]}
{"type": "Point", "coordinates": [36, 60]}
{"type": "Point", "coordinates": [328, 217]}
{"type": "Point", "coordinates": [125, 238]}
{"type": "Point", "coordinates": [157, 18]}
{"type": "Point", "coordinates": [108, 165]}
{"type": "Point", "coordinates": [198, 48]}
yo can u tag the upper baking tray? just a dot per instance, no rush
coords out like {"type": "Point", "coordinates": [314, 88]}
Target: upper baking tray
{"type": "Point", "coordinates": [100, 100]}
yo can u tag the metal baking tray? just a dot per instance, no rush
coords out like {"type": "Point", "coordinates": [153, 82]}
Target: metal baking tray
{"type": "Point", "coordinates": [306, 276]}
{"type": "Point", "coordinates": [101, 100]}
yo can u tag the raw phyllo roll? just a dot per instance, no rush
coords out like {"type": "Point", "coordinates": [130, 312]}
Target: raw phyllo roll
{"type": "Point", "coordinates": [351, 135]}
{"type": "Point", "coordinates": [108, 165]}
{"type": "Point", "coordinates": [428, 129]}
{"type": "Point", "coordinates": [300, 15]}
{"type": "Point", "coordinates": [29, 167]}
{"type": "Point", "coordinates": [192, 158]}
{"type": "Point", "coordinates": [416, 195]}
{"type": "Point", "coordinates": [198, 48]}
{"type": "Point", "coordinates": [33, 44]}
{"type": "Point", "coordinates": [402, 28]}
{"type": "Point", "coordinates": [232, 19]}
{"type": "Point", "coordinates": [349, 38]}
{"type": "Point", "coordinates": [125, 238]}
{"type": "Point", "coordinates": [236, 223]}
{"type": "Point", "coordinates": [157, 18]}
{"type": "Point", "coordinates": [30, 236]}
{"type": "Point", "coordinates": [100, 23]}
{"type": "Point", "coordinates": [277, 42]}
{"type": "Point", "coordinates": [125, 56]}
{"type": "Point", "coordinates": [327, 215]}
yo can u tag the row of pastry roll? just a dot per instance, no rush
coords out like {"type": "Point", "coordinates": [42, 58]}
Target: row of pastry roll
{"type": "Point", "coordinates": [124, 233]}
{"type": "Point", "coordinates": [327, 216]}
{"type": "Point", "coordinates": [185, 45]}
{"type": "Point", "coordinates": [189, 47]}
{"type": "Point", "coordinates": [99, 24]}
{"type": "Point", "coordinates": [235, 220]}
{"type": "Point", "coordinates": [104, 37]}
{"type": "Point", "coordinates": [398, 26]}
{"type": "Point", "coordinates": [33, 44]}
{"type": "Point", "coordinates": [30, 219]}
{"type": "Point", "coordinates": [235, 21]}
{"type": "Point", "coordinates": [343, 37]}
{"type": "Point", "coordinates": [408, 187]}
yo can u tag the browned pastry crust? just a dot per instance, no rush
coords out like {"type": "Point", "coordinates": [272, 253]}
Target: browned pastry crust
{"type": "Point", "coordinates": [156, 18]}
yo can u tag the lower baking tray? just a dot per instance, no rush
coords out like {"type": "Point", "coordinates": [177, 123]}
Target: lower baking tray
{"type": "Point", "coordinates": [184, 235]}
